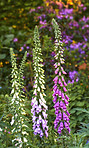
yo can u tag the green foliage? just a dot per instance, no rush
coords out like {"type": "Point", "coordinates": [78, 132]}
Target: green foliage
{"type": "Point", "coordinates": [84, 128]}
{"type": "Point", "coordinates": [78, 95]}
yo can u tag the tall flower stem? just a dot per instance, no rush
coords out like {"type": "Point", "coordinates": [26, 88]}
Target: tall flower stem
{"type": "Point", "coordinates": [39, 107]}
{"type": "Point", "coordinates": [60, 98]}
{"type": "Point", "coordinates": [17, 104]}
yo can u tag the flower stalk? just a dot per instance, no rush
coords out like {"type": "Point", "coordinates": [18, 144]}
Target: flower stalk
{"type": "Point", "coordinates": [60, 98]}
{"type": "Point", "coordinates": [17, 103]}
{"type": "Point", "coordinates": [39, 107]}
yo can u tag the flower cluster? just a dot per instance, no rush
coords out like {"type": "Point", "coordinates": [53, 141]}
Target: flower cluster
{"type": "Point", "coordinates": [73, 75]}
{"type": "Point", "coordinates": [38, 103]}
{"type": "Point", "coordinates": [60, 99]}
{"type": "Point", "coordinates": [17, 103]}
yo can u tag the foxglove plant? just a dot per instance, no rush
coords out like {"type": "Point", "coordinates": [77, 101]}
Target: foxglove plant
{"type": "Point", "coordinates": [17, 104]}
{"type": "Point", "coordinates": [39, 107]}
{"type": "Point", "coordinates": [60, 98]}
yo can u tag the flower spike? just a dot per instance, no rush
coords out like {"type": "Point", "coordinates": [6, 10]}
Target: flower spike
{"type": "Point", "coordinates": [39, 107]}
{"type": "Point", "coordinates": [60, 99]}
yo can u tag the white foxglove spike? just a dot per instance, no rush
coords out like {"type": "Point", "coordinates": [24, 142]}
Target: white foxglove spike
{"type": "Point", "coordinates": [38, 102]}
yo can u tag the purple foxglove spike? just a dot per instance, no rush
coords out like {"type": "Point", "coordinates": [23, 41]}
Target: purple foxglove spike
{"type": "Point", "coordinates": [57, 119]}
{"type": "Point", "coordinates": [64, 72]}
{"type": "Point", "coordinates": [61, 104]}
{"type": "Point", "coordinates": [66, 102]}
{"type": "Point", "coordinates": [55, 99]}
{"type": "Point", "coordinates": [55, 79]}
{"type": "Point", "coordinates": [59, 132]}
{"type": "Point", "coordinates": [55, 82]}
{"type": "Point", "coordinates": [62, 62]}
{"type": "Point", "coordinates": [62, 95]}
{"type": "Point", "coordinates": [59, 73]}
{"type": "Point", "coordinates": [59, 129]}
{"type": "Point", "coordinates": [65, 84]}
{"type": "Point", "coordinates": [67, 113]}
{"type": "Point", "coordinates": [67, 119]}
{"type": "Point", "coordinates": [56, 105]}
{"type": "Point", "coordinates": [62, 68]}
{"type": "Point", "coordinates": [41, 134]}
{"type": "Point", "coordinates": [54, 94]}
{"type": "Point", "coordinates": [56, 71]}
{"type": "Point", "coordinates": [64, 107]}
{"type": "Point", "coordinates": [64, 89]}
{"type": "Point", "coordinates": [69, 130]}
{"type": "Point", "coordinates": [60, 115]}
{"type": "Point", "coordinates": [55, 126]}
{"type": "Point", "coordinates": [61, 125]}
{"type": "Point", "coordinates": [55, 89]}
{"type": "Point", "coordinates": [59, 93]}
{"type": "Point", "coordinates": [58, 64]}
{"type": "Point", "coordinates": [61, 84]}
{"type": "Point", "coordinates": [56, 112]}
{"type": "Point", "coordinates": [54, 86]}
{"type": "Point", "coordinates": [64, 116]}
{"type": "Point", "coordinates": [59, 81]}
{"type": "Point", "coordinates": [67, 97]}
{"type": "Point", "coordinates": [46, 133]}
{"type": "Point", "coordinates": [68, 122]}
{"type": "Point", "coordinates": [55, 65]}
{"type": "Point", "coordinates": [66, 125]}
{"type": "Point", "coordinates": [57, 108]}
{"type": "Point", "coordinates": [63, 79]}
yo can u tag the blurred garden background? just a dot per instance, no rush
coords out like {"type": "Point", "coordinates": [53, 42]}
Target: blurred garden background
{"type": "Point", "coordinates": [17, 22]}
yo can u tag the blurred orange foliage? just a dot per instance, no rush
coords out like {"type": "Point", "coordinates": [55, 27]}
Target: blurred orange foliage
{"type": "Point", "coordinates": [83, 66]}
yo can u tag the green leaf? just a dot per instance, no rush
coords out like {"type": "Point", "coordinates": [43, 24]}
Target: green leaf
{"type": "Point", "coordinates": [72, 111]}
{"type": "Point", "coordinates": [2, 56]}
{"type": "Point", "coordinates": [8, 38]}
{"type": "Point", "coordinates": [80, 103]}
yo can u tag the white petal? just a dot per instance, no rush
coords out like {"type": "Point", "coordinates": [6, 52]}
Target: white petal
{"type": "Point", "coordinates": [12, 121]}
